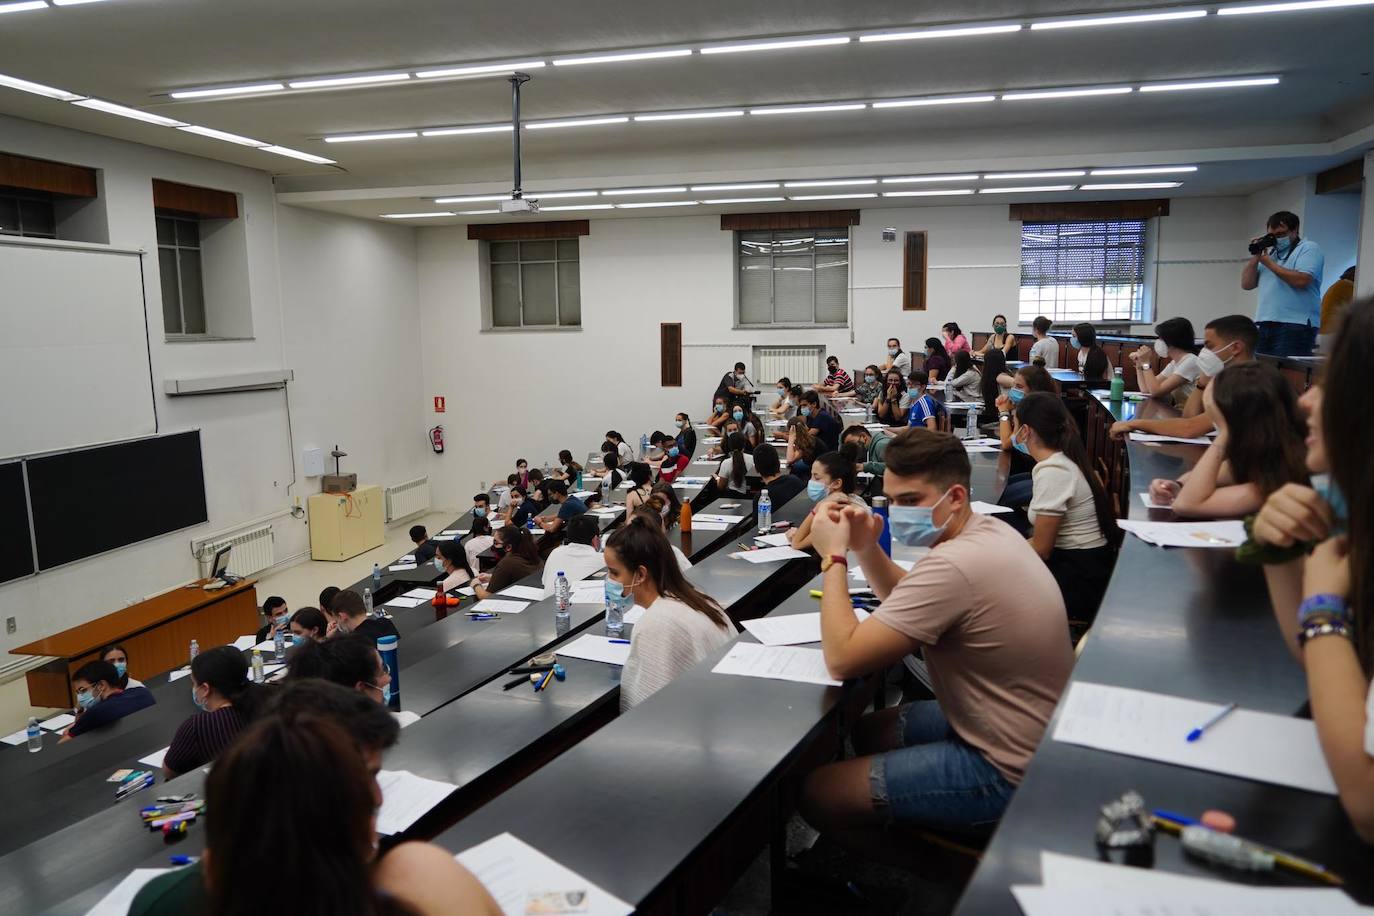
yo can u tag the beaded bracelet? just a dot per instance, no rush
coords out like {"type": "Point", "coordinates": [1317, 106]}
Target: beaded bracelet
{"type": "Point", "coordinates": [1326, 605]}
{"type": "Point", "coordinates": [1322, 629]}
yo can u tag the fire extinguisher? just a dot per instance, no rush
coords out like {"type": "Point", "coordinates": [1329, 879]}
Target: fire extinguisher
{"type": "Point", "coordinates": [436, 439]}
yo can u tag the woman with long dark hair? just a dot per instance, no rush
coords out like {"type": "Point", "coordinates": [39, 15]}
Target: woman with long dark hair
{"type": "Point", "coordinates": [517, 555]}
{"type": "Point", "coordinates": [1093, 364]}
{"type": "Point", "coordinates": [686, 436]}
{"type": "Point", "coordinates": [966, 380]}
{"type": "Point", "coordinates": [680, 626]}
{"type": "Point", "coordinates": [740, 465]}
{"type": "Point", "coordinates": [308, 624]}
{"type": "Point", "coordinates": [117, 656]}
{"type": "Point", "coordinates": [1258, 448]}
{"type": "Point", "coordinates": [802, 446]}
{"type": "Point", "coordinates": [639, 473]}
{"type": "Point", "coordinates": [955, 340]}
{"type": "Point", "coordinates": [1074, 530]}
{"type": "Point", "coordinates": [892, 403]}
{"type": "Point", "coordinates": [996, 381]}
{"type": "Point", "coordinates": [937, 361]}
{"type": "Point", "coordinates": [227, 700]}
{"type": "Point", "coordinates": [454, 563]}
{"type": "Point", "coordinates": [999, 339]}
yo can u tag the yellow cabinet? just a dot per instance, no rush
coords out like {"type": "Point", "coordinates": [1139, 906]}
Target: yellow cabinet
{"type": "Point", "coordinates": [343, 525]}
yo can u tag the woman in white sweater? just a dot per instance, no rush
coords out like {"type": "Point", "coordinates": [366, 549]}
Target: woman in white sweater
{"type": "Point", "coordinates": [680, 626]}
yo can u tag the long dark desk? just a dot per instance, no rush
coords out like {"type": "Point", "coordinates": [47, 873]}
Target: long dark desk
{"type": "Point", "coordinates": [1193, 623]}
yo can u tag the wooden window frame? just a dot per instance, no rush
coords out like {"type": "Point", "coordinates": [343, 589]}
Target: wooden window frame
{"type": "Point", "coordinates": [914, 276]}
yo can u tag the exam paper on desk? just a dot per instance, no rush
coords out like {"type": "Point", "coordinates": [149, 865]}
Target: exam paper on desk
{"type": "Point", "coordinates": [17, 738]}
{"type": "Point", "coordinates": [515, 873]}
{"type": "Point", "coordinates": [121, 896]}
{"type": "Point", "coordinates": [497, 606]}
{"type": "Point", "coordinates": [596, 649]}
{"type": "Point", "coordinates": [424, 594]}
{"type": "Point", "coordinates": [710, 526]}
{"type": "Point", "coordinates": [1227, 534]}
{"type": "Point", "coordinates": [1213, 898]}
{"type": "Point", "coordinates": [244, 643]}
{"type": "Point", "coordinates": [780, 663]}
{"type": "Point", "coordinates": [155, 758]}
{"type": "Point", "coordinates": [791, 629]}
{"type": "Point", "coordinates": [62, 720]}
{"type": "Point", "coordinates": [404, 602]}
{"type": "Point", "coordinates": [406, 798]}
{"type": "Point", "coordinates": [592, 591]}
{"type": "Point", "coordinates": [769, 554]}
{"type": "Point", "coordinates": [522, 592]}
{"type": "Point", "coordinates": [402, 567]}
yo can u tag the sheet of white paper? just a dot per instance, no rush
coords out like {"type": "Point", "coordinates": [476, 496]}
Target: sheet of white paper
{"type": "Point", "coordinates": [1208, 898]}
{"type": "Point", "coordinates": [523, 592]}
{"type": "Point", "coordinates": [424, 594]}
{"type": "Point", "coordinates": [496, 605]}
{"type": "Point", "coordinates": [982, 449]}
{"type": "Point", "coordinates": [768, 554]}
{"type": "Point", "coordinates": [596, 649]}
{"type": "Point", "coordinates": [692, 481]}
{"type": "Point", "coordinates": [406, 798]}
{"type": "Point", "coordinates": [512, 871]}
{"type": "Point", "coordinates": [402, 567]}
{"type": "Point", "coordinates": [983, 508]}
{"type": "Point", "coordinates": [791, 629]}
{"type": "Point", "coordinates": [1151, 437]}
{"type": "Point", "coordinates": [244, 643]}
{"type": "Point", "coordinates": [269, 670]}
{"type": "Point", "coordinates": [266, 645]}
{"type": "Point", "coordinates": [495, 523]}
{"type": "Point", "coordinates": [773, 540]}
{"type": "Point", "coordinates": [182, 672]}
{"type": "Point", "coordinates": [780, 663]}
{"type": "Point", "coordinates": [62, 720]}
{"type": "Point", "coordinates": [1247, 744]}
{"type": "Point", "coordinates": [856, 571]}
{"type": "Point", "coordinates": [1221, 533]}
{"type": "Point", "coordinates": [407, 560]}
{"type": "Point", "coordinates": [589, 592]}
{"type": "Point", "coordinates": [699, 525]}
{"type": "Point", "coordinates": [1150, 503]}
{"type": "Point", "coordinates": [406, 717]}
{"type": "Point", "coordinates": [121, 896]}
{"type": "Point", "coordinates": [17, 738]}
{"type": "Point", "coordinates": [984, 440]}
{"type": "Point", "coordinates": [633, 615]}
{"type": "Point", "coordinates": [443, 537]}
{"type": "Point", "coordinates": [718, 517]}
{"type": "Point", "coordinates": [459, 532]}
{"type": "Point", "coordinates": [405, 601]}
{"type": "Point", "coordinates": [155, 758]}
{"type": "Point", "coordinates": [468, 590]}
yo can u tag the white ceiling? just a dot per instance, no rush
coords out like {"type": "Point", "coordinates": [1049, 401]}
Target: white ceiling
{"type": "Point", "coordinates": [134, 51]}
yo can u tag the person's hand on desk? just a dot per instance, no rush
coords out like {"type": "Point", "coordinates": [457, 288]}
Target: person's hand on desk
{"type": "Point", "coordinates": [1293, 513]}
{"type": "Point", "coordinates": [1120, 428]}
{"type": "Point", "coordinates": [1162, 491]}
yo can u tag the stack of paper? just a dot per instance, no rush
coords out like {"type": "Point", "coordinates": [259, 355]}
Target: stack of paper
{"type": "Point", "coordinates": [422, 593]}
{"type": "Point", "coordinates": [180, 673]}
{"type": "Point", "coordinates": [405, 601]}
{"type": "Point", "coordinates": [119, 899]}
{"type": "Point", "coordinates": [244, 643]}
{"type": "Point", "coordinates": [406, 798]}
{"type": "Point", "coordinates": [1223, 533]}
{"type": "Point", "coordinates": [456, 532]}
{"type": "Point", "coordinates": [1151, 437]}
{"type": "Point", "coordinates": [402, 567]}
{"type": "Point", "coordinates": [769, 554]}
{"type": "Point", "coordinates": [773, 540]}
{"type": "Point", "coordinates": [583, 494]}
{"type": "Point", "coordinates": [523, 880]}
{"type": "Point", "coordinates": [780, 663]}
{"type": "Point", "coordinates": [596, 649]}
{"type": "Point", "coordinates": [62, 720]}
{"type": "Point", "coordinates": [522, 592]}
{"type": "Point", "coordinates": [16, 738]}
{"type": "Point", "coordinates": [718, 517]}
{"type": "Point", "coordinates": [497, 606]}
{"type": "Point", "coordinates": [443, 537]}
{"type": "Point", "coordinates": [791, 629]}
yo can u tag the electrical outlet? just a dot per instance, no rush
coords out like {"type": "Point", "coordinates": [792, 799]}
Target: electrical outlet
{"type": "Point", "coordinates": [11, 625]}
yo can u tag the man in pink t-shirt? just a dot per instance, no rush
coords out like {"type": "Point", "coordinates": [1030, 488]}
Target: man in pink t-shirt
{"type": "Point", "coordinates": [991, 625]}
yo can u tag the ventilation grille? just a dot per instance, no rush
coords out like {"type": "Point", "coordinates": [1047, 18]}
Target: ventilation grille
{"type": "Point", "coordinates": [803, 365]}
{"type": "Point", "coordinates": [407, 498]}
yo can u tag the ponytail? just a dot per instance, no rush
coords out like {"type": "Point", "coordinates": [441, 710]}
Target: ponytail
{"type": "Point", "coordinates": [226, 671]}
{"type": "Point", "coordinates": [735, 442]}
{"type": "Point", "coordinates": [1045, 413]}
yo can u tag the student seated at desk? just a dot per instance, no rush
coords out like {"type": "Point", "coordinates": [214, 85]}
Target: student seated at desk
{"type": "Point", "coordinates": [351, 661]}
{"type": "Point", "coordinates": [720, 412]}
{"type": "Point", "coordinates": [893, 403]}
{"type": "Point", "coordinates": [673, 461]}
{"type": "Point", "coordinates": [954, 340]}
{"type": "Point", "coordinates": [567, 468]}
{"type": "Point", "coordinates": [424, 547]}
{"type": "Point", "coordinates": [821, 422]}
{"type": "Point", "coordinates": [116, 656]}
{"type": "Point", "coordinates": [987, 615]}
{"type": "Point", "coordinates": [577, 557]}
{"type": "Point", "coordinates": [1092, 359]}
{"type": "Point", "coordinates": [569, 506]}
{"type": "Point", "coordinates": [680, 626]}
{"type": "Point", "coordinates": [479, 539]}
{"type": "Point", "coordinates": [481, 507]}
{"type": "Point", "coordinates": [1026, 380]}
{"type": "Point", "coordinates": [832, 480]}
{"type": "Point", "coordinates": [639, 475]}
{"type": "Point", "coordinates": [870, 387]}
{"type": "Point", "coordinates": [1045, 350]}
{"type": "Point", "coordinates": [455, 564]}
{"type": "Point", "coordinates": [996, 381]}
{"type": "Point", "coordinates": [785, 407]}
{"type": "Point", "coordinates": [308, 624]}
{"type": "Point", "coordinates": [611, 481]}
{"type": "Point", "coordinates": [278, 618]}
{"type": "Point", "coordinates": [966, 380]}
{"type": "Point", "coordinates": [937, 361]}
{"type": "Point", "coordinates": [735, 467]}
{"type": "Point", "coordinates": [351, 616]}
{"type": "Point", "coordinates": [227, 701]}
{"type": "Point", "coordinates": [100, 700]}
{"type": "Point", "coordinates": [517, 557]}
{"type": "Point", "coordinates": [658, 511]}
{"type": "Point", "coordinates": [1258, 448]}
{"type": "Point", "coordinates": [521, 507]}
{"type": "Point", "coordinates": [837, 381]}
{"type": "Point", "coordinates": [924, 410]}
{"type": "Point", "coordinates": [306, 776]}
{"type": "Point", "coordinates": [897, 358]}
{"type": "Point", "coordinates": [623, 449]}
{"type": "Point", "coordinates": [503, 501]}
{"type": "Point", "coordinates": [1074, 530]}
{"type": "Point", "coordinates": [870, 448]}
{"type": "Point", "coordinates": [999, 339]}
{"type": "Point", "coordinates": [802, 447]}
{"type": "Point", "coordinates": [1177, 379]}
{"type": "Point", "coordinates": [1324, 600]}
{"type": "Point", "coordinates": [522, 473]}
{"type": "Point", "coordinates": [780, 483]}
{"type": "Point", "coordinates": [686, 435]}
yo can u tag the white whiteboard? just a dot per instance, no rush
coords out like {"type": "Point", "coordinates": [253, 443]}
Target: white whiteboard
{"type": "Point", "coordinates": [73, 350]}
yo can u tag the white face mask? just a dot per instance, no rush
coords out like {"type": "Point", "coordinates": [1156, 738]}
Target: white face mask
{"type": "Point", "coordinates": [1211, 363]}
{"type": "Point", "coordinates": [1162, 349]}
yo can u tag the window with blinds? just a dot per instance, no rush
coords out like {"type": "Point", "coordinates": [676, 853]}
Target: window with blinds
{"type": "Point", "coordinates": [535, 284]}
{"type": "Point", "coordinates": [1084, 271]}
{"type": "Point", "coordinates": [792, 278]}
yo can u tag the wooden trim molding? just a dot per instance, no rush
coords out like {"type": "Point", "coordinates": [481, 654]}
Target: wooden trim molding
{"type": "Point", "coordinates": [206, 203]}
{"type": "Point", "coordinates": [1088, 210]}
{"type": "Point", "coordinates": [670, 346]}
{"type": "Point", "coordinates": [529, 232]}
{"type": "Point", "coordinates": [914, 259]}
{"type": "Point", "coordinates": [802, 219]}
{"type": "Point", "coordinates": [45, 175]}
{"type": "Point", "coordinates": [1342, 179]}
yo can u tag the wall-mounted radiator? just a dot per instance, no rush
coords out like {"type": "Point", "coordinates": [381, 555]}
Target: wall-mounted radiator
{"type": "Point", "coordinates": [407, 498]}
{"type": "Point", "coordinates": [803, 365]}
{"type": "Point", "coordinates": [253, 550]}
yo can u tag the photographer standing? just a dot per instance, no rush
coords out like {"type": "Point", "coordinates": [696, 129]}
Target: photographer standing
{"type": "Point", "coordinates": [1287, 270]}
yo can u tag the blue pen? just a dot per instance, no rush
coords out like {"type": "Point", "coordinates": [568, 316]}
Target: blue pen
{"type": "Point", "coordinates": [1176, 818]}
{"type": "Point", "coordinates": [184, 860]}
{"type": "Point", "coordinates": [1196, 733]}
{"type": "Point", "coordinates": [482, 616]}
{"type": "Point", "coordinates": [618, 642]}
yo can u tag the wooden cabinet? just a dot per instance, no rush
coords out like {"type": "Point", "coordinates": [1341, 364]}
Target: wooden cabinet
{"type": "Point", "coordinates": [343, 525]}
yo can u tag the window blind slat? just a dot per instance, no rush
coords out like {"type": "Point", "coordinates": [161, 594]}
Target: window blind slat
{"type": "Point", "coordinates": [1083, 271]}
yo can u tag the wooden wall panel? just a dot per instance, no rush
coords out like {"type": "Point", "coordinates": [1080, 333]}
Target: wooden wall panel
{"type": "Point", "coordinates": [44, 175]}
{"type": "Point", "coordinates": [1089, 210]}
{"type": "Point", "coordinates": [670, 344]}
{"type": "Point", "coordinates": [516, 232]}
{"type": "Point", "coordinates": [914, 257]}
{"type": "Point", "coordinates": [206, 203]}
{"type": "Point", "coordinates": [1342, 179]}
{"type": "Point", "coordinates": [804, 219]}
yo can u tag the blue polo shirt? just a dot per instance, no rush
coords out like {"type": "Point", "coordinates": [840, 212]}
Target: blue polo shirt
{"type": "Point", "coordinates": [1280, 302]}
{"type": "Point", "coordinates": [571, 508]}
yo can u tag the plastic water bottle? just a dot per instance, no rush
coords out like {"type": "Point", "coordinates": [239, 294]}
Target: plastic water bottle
{"type": "Point", "coordinates": [367, 600]}
{"type": "Point", "coordinates": [765, 512]}
{"type": "Point", "coordinates": [1118, 385]}
{"type": "Point", "coordinates": [279, 644]}
{"type": "Point", "coordinates": [643, 446]}
{"type": "Point", "coordinates": [529, 523]}
{"type": "Point", "coordinates": [195, 649]}
{"type": "Point", "coordinates": [884, 539]}
{"type": "Point", "coordinates": [615, 617]}
{"type": "Point", "coordinates": [257, 667]}
{"type": "Point", "coordinates": [376, 579]}
{"type": "Point", "coordinates": [971, 424]}
{"type": "Point", "coordinates": [548, 469]}
{"type": "Point", "coordinates": [35, 735]}
{"type": "Point", "coordinates": [562, 593]}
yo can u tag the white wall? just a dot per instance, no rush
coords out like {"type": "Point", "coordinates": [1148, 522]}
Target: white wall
{"type": "Point", "coordinates": [349, 297]}
{"type": "Point", "coordinates": [1333, 222]}
{"type": "Point", "coordinates": [1364, 274]}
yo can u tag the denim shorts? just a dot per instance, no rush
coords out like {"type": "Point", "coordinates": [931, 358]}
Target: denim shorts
{"type": "Point", "coordinates": [936, 779]}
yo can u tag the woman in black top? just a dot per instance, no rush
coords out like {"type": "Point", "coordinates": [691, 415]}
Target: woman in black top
{"type": "Point", "coordinates": [686, 437]}
{"type": "Point", "coordinates": [518, 558]}
{"type": "Point", "coordinates": [228, 700]}
{"type": "Point", "coordinates": [937, 360]}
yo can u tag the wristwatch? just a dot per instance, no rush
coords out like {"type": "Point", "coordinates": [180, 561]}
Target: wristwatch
{"type": "Point", "coordinates": [832, 560]}
{"type": "Point", "coordinates": [1004, 418]}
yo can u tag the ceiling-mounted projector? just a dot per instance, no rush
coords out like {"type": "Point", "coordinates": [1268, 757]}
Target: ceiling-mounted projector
{"type": "Point", "coordinates": [519, 205]}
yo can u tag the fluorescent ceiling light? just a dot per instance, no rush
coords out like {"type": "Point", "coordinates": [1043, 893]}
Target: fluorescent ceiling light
{"type": "Point", "coordinates": [945, 100]}
{"type": "Point", "coordinates": [691, 115]}
{"type": "Point", "coordinates": [486, 198]}
{"type": "Point", "coordinates": [1066, 173]}
{"type": "Point", "coordinates": [748, 186]}
{"type": "Point", "coordinates": [830, 196]}
{"type": "Point", "coordinates": [297, 154]}
{"type": "Point", "coordinates": [558, 195]}
{"type": "Point", "coordinates": [329, 82]}
{"type": "Point", "coordinates": [1146, 170]}
{"type": "Point", "coordinates": [221, 135]}
{"type": "Point", "coordinates": [578, 207]}
{"type": "Point", "coordinates": [808, 109]}
{"type": "Point", "coordinates": [779, 44]}
{"type": "Point", "coordinates": [416, 215]}
{"type": "Point", "coordinates": [656, 203]}
{"type": "Point", "coordinates": [937, 192]}
{"type": "Point", "coordinates": [62, 95]}
{"type": "Point", "coordinates": [619, 192]}
{"type": "Point", "coordinates": [1063, 93]}
{"type": "Point", "coordinates": [577, 122]}
{"type": "Point", "coordinates": [1212, 84]}
{"type": "Point", "coordinates": [477, 69]}
{"type": "Point", "coordinates": [462, 131]}
{"type": "Point", "coordinates": [916, 179]}
{"type": "Point", "coordinates": [616, 57]}
{"type": "Point", "coordinates": [23, 6]}
{"type": "Point", "coordinates": [1130, 186]}
{"type": "Point", "coordinates": [743, 200]}
{"type": "Point", "coordinates": [1079, 22]}
{"type": "Point", "coordinates": [831, 183]}
{"type": "Point", "coordinates": [477, 212]}
{"type": "Point", "coordinates": [226, 90]}
{"type": "Point", "coordinates": [359, 138]}
{"type": "Point", "coordinates": [74, 2]}
{"type": "Point", "coordinates": [958, 31]}
{"type": "Point", "coordinates": [1027, 190]}
{"type": "Point", "coordinates": [123, 112]}
{"type": "Point", "coordinates": [1248, 9]}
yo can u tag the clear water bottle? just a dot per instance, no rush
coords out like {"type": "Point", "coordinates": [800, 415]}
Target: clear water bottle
{"type": "Point", "coordinates": [258, 677]}
{"type": "Point", "coordinates": [643, 446]}
{"type": "Point", "coordinates": [615, 616]}
{"type": "Point", "coordinates": [35, 734]}
{"type": "Point", "coordinates": [765, 512]}
{"type": "Point", "coordinates": [376, 578]}
{"type": "Point", "coordinates": [195, 649]}
{"type": "Point", "coordinates": [562, 593]}
{"type": "Point", "coordinates": [971, 424]}
{"type": "Point", "coordinates": [367, 600]}
{"type": "Point", "coordinates": [279, 644]}
{"type": "Point", "coordinates": [548, 469]}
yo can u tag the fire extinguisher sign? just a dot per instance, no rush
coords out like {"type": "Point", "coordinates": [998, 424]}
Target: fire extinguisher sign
{"type": "Point", "coordinates": [438, 403]}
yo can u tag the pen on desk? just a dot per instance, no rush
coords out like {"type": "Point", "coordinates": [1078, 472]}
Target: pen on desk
{"type": "Point", "coordinates": [511, 685]}
{"type": "Point", "coordinates": [481, 615]}
{"type": "Point", "coordinates": [618, 642]}
{"type": "Point", "coordinates": [184, 860]}
{"type": "Point", "coordinates": [544, 681]}
{"type": "Point", "coordinates": [1196, 733]}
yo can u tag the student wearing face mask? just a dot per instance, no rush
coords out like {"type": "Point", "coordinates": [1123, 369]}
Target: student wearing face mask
{"type": "Point", "coordinates": [937, 361]}
{"type": "Point", "coordinates": [720, 412]}
{"type": "Point", "coordinates": [680, 626]}
{"type": "Point", "coordinates": [227, 701]}
{"type": "Point", "coordinates": [673, 462]}
{"type": "Point", "coordinates": [1026, 380]}
{"type": "Point", "coordinates": [453, 563]}
{"type": "Point", "coordinates": [837, 381]}
{"type": "Point", "coordinates": [964, 379]}
{"type": "Point", "coordinates": [897, 358]}
{"type": "Point", "coordinates": [990, 622]}
{"type": "Point", "coordinates": [1288, 274]}
{"type": "Point", "coordinates": [479, 540]}
{"type": "Point", "coordinates": [832, 480]}
{"type": "Point", "coordinates": [100, 700]}
{"type": "Point", "coordinates": [351, 616]}
{"type": "Point", "coordinates": [424, 547]}
{"type": "Point", "coordinates": [925, 410]}
{"type": "Point", "coordinates": [784, 408]}
{"type": "Point", "coordinates": [870, 387]}
{"type": "Point", "coordinates": [1177, 378]}
{"type": "Point", "coordinates": [825, 426]}
{"type": "Point", "coordinates": [999, 339]}
{"type": "Point", "coordinates": [954, 339]}
{"type": "Point", "coordinates": [503, 500]}
{"type": "Point", "coordinates": [350, 661]}
{"type": "Point", "coordinates": [892, 405]}
{"type": "Point", "coordinates": [277, 616]}
{"type": "Point", "coordinates": [1092, 359]}
{"type": "Point", "coordinates": [686, 435]}
{"type": "Point", "coordinates": [326, 599]}
{"type": "Point", "coordinates": [116, 656]}
{"type": "Point", "coordinates": [481, 506]}
{"type": "Point", "coordinates": [578, 557]}
{"type": "Point", "coordinates": [735, 387]}
{"type": "Point", "coordinates": [308, 624]}
{"type": "Point", "coordinates": [522, 472]}
{"type": "Point", "coordinates": [517, 556]}
{"type": "Point", "coordinates": [870, 447]}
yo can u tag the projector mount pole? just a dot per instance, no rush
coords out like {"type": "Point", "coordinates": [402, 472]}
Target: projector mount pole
{"type": "Point", "coordinates": [516, 81]}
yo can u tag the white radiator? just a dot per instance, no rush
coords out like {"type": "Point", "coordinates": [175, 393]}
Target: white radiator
{"type": "Point", "coordinates": [407, 498]}
{"type": "Point", "coordinates": [803, 365]}
{"type": "Point", "coordinates": [253, 550]}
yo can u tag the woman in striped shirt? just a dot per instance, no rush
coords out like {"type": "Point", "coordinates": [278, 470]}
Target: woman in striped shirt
{"type": "Point", "coordinates": [228, 701]}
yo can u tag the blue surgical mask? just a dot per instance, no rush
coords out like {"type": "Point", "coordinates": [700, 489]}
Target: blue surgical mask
{"type": "Point", "coordinates": [121, 668]}
{"type": "Point", "coordinates": [1020, 446]}
{"type": "Point", "coordinates": [617, 596]}
{"type": "Point", "coordinates": [673, 452]}
{"type": "Point", "coordinates": [816, 490]}
{"type": "Point", "coordinates": [282, 623]}
{"type": "Point", "coordinates": [1283, 244]}
{"type": "Point", "coordinates": [681, 424]}
{"type": "Point", "coordinates": [915, 526]}
{"type": "Point", "coordinates": [1073, 342]}
{"type": "Point", "coordinates": [438, 562]}
{"type": "Point", "coordinates": [479, 511]}
{"type": "Point", "coordinates": [738, 415]}
{"type": "Point", "coordinates": [914, 392]}
{"type": "Point", "coordinates": [386, 694]}
{"type": "Point", "coordinates": [85, 699]}
{"type": "Point", "coordinates": [297, 639]}
{"type": "Point", "coordinates": [720, 408]}
{"type": "Point", "coordinates": [806, 411]}
{"type": "Point", "coordinates": [1016, 394]}
{"type": "Point", "coordinates": [197, 700]}
{"type": "Point", "coordinates": [893, 351]}
{"type": "Point", "coordinates": [869, 379]}
{"type": "Point", "coordinates": [782, 392]}
{"type": "Point", "coordinates": [1328, 490]}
